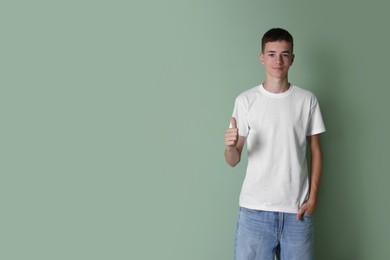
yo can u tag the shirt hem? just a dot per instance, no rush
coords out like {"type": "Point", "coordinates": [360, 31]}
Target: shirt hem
{"type": "Point", "coordinates": [267, 208]}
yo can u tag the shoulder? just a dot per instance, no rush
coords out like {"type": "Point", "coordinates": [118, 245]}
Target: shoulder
{"type": "Point", "coordinates": [306, 97]}
{"type": "Point", "coordinates": [304, 94]}
{"type": "Point", "coordinates": [248, 95]}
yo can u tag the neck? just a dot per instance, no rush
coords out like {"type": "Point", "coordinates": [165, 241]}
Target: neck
{"type": "Point", "coordinates": [276, 86]}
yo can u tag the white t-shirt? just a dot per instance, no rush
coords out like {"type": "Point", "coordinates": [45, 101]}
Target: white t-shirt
{"type": "Point", "coordinates": [276, 127]}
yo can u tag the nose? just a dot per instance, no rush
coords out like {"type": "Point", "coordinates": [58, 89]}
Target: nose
{"type": "Point", "coordinates": [279, 60]}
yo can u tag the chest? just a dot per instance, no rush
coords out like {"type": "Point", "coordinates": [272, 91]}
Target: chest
{"type": "Point", "coordinates": [279, 114]}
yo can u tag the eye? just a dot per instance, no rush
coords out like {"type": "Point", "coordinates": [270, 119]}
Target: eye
{"type": "Point", "coordinates": [286, 55]}
{"type": "Point", "coordinates": [271, 55]}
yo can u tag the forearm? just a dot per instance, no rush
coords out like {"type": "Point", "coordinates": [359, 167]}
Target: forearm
{"type": "Point", "coordinates": [232, 156]}
{"type": "Point", "coordinates": [308, 208]}
{"type": "Point", "coordinates": [315, 175]}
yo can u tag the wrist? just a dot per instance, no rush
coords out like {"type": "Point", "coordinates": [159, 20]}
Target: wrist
{"type": "Point", "coordinates": [312, 201]}
{"type": "Point", "coordinates": [230, 148]}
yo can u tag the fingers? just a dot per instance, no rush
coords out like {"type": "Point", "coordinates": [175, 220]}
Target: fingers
{"type": "Point", "coordinates": [300, 214]}
{"type": "Point", "coordinates": [231, 135]}
{"type": "Point", "coordinates": [233, 122]}
{"type": "Point", "coordinates": [306, 209]}
{"type": "Point", "coordinates": [302, 211]}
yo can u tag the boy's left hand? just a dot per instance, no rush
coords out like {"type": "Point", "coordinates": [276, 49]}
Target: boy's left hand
{"type": "Point", "coordinates": [307, 208]}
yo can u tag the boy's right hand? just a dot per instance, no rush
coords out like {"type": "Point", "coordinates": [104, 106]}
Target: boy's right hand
{"type": "Point", "coordinates": [231, 135]}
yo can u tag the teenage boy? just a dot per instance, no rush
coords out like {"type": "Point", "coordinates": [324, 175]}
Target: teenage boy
{"type": "Point", "coordinates": [278, 121]}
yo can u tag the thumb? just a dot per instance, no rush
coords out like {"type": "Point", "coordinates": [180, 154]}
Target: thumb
{"type": "Point", "coordinates": [300, 213]}
{"type": "Point", "coordinates": [233, 122]}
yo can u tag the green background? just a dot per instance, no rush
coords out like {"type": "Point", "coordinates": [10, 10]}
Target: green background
{"type": "Point", "coordinates": [113, 115]}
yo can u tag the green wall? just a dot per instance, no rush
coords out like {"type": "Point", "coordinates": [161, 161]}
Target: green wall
{"type": "Point", "coordinates": [113, 115]}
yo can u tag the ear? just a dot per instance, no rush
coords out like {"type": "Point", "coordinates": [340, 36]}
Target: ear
{"type": "Point", "coordinates": [292, 58]}
{"type": "Point", "coordinates": [261, 57]}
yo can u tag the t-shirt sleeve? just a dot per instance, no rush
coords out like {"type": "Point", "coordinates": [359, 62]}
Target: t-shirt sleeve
{"type": "Point", "coordinates": [240, 112]}
{"type": "Point", "coordinates": [316, 123]}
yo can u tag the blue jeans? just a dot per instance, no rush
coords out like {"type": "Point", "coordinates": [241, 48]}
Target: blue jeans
{"type": "Point", "coordinates": [262, 235]}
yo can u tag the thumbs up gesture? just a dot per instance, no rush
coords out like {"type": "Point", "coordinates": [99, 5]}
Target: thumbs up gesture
{"type": "Point", "coordinates": [231, 135]}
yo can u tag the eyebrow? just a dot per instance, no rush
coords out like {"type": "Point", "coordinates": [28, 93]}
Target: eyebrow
{"type": "Point", "coordinates": [282, 52]}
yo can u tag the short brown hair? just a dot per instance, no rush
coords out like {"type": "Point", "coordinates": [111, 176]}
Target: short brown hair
{"type": "Point", "coordinates": [277, 34]}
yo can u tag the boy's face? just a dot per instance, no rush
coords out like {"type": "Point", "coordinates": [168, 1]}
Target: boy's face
{"type": "Point", "coordinates": [277, 58]}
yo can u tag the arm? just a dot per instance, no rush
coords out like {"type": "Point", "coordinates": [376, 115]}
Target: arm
{"type": "Point", "coordinates": [233, 153]}
{"type": "Point", "coordinates": [308, 207]}
{"type": "Point", "coordinates": [234, 144]}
